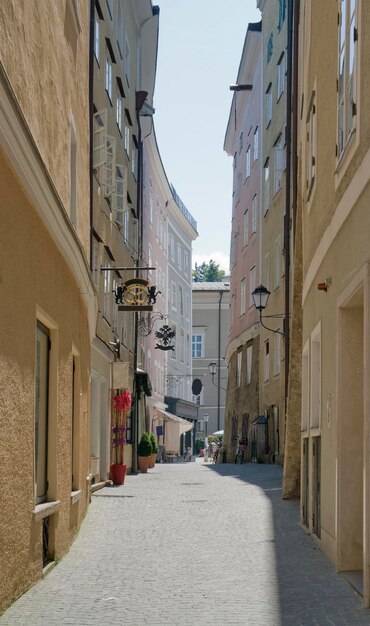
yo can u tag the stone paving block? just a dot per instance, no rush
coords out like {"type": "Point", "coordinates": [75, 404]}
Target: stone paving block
{"type": "Point", "coordinates": [192, 544]}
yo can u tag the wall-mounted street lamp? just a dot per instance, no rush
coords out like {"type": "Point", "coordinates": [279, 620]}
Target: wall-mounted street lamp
{"type": "Point", "coordinates": [260, 297]}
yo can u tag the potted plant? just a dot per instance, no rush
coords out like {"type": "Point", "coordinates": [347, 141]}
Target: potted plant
{"type": "Point", "coordinates": [121, 404]}
{"type": "Point", "coordinates": [154, 450]}
{"type": "Point", "coordinates": [144, 451]}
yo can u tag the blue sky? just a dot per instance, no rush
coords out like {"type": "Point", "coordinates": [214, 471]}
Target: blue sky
{"type": "Point", "coordinates": [200, 45]}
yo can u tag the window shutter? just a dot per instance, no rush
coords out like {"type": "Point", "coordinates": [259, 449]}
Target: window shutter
{"type": "Point", "coordinates": [119, 196]}
{"type": "Point", "coordinates": [108, 169]}
{"type": "Point", "coordinates": [100, 138]}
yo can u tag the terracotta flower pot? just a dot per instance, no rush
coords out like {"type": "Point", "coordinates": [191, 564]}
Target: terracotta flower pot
{"type": "Point", "coordinates": [118, 473]}
{"type": "Point", "coordinates": [143, 463]}
{"type": "Point", "coordinates": [153, 459]}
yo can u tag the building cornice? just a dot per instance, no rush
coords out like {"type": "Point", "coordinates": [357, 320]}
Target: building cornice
{"type": "Point", "coordinates": [21, 150]}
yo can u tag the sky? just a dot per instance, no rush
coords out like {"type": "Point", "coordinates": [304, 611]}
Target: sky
{"type": "Point", "coordinates": [200, 46]}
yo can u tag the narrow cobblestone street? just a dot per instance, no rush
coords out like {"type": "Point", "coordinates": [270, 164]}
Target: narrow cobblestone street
{"type": "Point", "coordinates": [188, 544]}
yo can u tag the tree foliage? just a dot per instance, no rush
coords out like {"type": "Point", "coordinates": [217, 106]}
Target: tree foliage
{"type": "Point", "coordinates": [207, 272]}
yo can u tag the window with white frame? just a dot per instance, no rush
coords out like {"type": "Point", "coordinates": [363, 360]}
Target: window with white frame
{"type": "Point", "coordinates": [242, 296]}
{"type": "Point", "coordinates": [120, 28]}
{"type": "Point", "coordinates": [100, 138]}
{"type": "Point", "coordinates": [315, 378]}
{"type": "Point", "coordinates": [281, 70]}
{"type": "Point", "coordinates": [249, 363]}
{"type": "Point", "coordinates": [97, 39]}
{"type": "Point", "coordinates": [181, 300]}
{"type": "Point", "coordinates": [179, 254]}
{"type": "Point", "coordinates": [119, 197]}
{"type": "Point", "coordinates": [279, 163]}
{"type": "Point", "coordinates": [172, 247]}
{"type": "Point", "coordinates": [277, 261]}
{"type": "Point", "coordinates": [246, 227]}
{"type": "Point", "coordinates": [266, 187]}
{"type": "Point", "coordinates": [186, 263]}
{"type": "Point", "coordinates": [255, 144]}
{"type": "Point", "coordinates": [114, 307]}
{"type": "Point", "coordinates": [239, 358]}
{"type": "Point", "coordinates": [252, 284]}
{"type": "Point", "coordinates": [173, 295]}
{"type": "Point", "coordinates": [119, 112]}
{"type": "Point", "coordinates": [347, 57]}
{"type": "Point", "coordinates": [187, 306]}
{"type": "Point", "coordinates": [187, 349]}
{"type": "Point", "coordinates": [269, 104]}
{"type": "Point", "coordinates": [108, 73]}
{"type": "Point", "coordinates": [254, 213]}
{"type": "Point", "coordinates": [127, 139]}
{"type": "Point", "coordinates": [266, 364]}
{"type": "Point", "coordinates": [133, 161]}
{"type": "Point", "coordinates": [248, 162]}
{"type": "Point", "coordinates": [311, 145]}
{"type": "Point", "coordinates": [277, 354]}
{"type": "Point", "coordinates": [182, 345]}
{"type": "Point", "coordinates": [197, 345]}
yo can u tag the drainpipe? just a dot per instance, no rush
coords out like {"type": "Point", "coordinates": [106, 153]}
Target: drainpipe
{"type": "Point", "coordinates": [219, 361]}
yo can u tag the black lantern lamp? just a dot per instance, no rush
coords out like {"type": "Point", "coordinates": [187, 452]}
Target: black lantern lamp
{"type": "Point", "coordinates": [212, 369]}
{"type": "Point", "coordinates": [260, 297]}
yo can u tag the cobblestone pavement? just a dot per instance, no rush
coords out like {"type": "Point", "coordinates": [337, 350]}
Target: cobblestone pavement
{"type": "Point", "coordinates": [192, 544]}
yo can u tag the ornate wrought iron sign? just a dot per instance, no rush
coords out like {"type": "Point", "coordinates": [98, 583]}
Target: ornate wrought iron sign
{"type": "Point", "coordinates": [165, 336]}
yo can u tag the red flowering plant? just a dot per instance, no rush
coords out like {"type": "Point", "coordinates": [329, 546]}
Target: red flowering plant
{"type": "Point", "coordinates": [121, 405]}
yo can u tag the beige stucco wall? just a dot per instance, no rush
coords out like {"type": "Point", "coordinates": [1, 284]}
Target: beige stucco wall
{"type": "Point", "coordinates": [37, 283]}
{"type": "Point", "coordinates": [47, 65]}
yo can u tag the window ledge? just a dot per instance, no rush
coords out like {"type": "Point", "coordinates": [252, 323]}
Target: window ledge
{"type": "Point", "coordinates": [76, 496]}
{"type": "Point", "coordinates": [45, 509]}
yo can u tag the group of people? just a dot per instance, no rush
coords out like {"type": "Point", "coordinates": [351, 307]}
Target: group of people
{"type": "Point", "coordinates": [241, 450]}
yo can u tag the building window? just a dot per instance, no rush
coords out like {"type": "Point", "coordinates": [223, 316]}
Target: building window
{"type": "Point", "coordinates": [197, 346]}
{"type": "Point", "coordinates": [254, 213]}
{"type": "Point", "coordinates": [173, 295]}
{"type": "Point", "coordinates": [266, 187]}
{"type": "Point", "coordinates": [119, 112]}
{"type": "Point", "coordinates": [127, 140]}
{"type": "Point", "coordinates": [182, 345]}
{"type": "Point", "coordinates": [248, 162]}
{"type": "Point", "coordinates": [107, 290]}
{"type": "Point", "coordinates": [311, 146]}
{"type": "Point", "coordinates": [240, 142]}
{"type": "Point", "coordinates": [255, 144]}
{"type": "Point", "coordinates": [252, 284]}
{"type": "Point", "coordinates": [173, 352]}
{"type": "Point", "coordinates": [172, 247]}
{"type": "Point", "coordinates": [305, 388]}
{"type": "Point", "coordinates": [269, 104]}
{"type": "Point", "coordinates": [108, 74]}
{"type": "Point", "coordinates": [41, 411]}
{"type": "Point", "coordinates": [348, 36]}
{"type": "Point", "coordinates": [270, 48]}
{"type": "Point", "coordinates": [249, 364]}
{"type": "Point", "coordinates": [245, 227]}
{"type": "Point", "coordinates": [181, 300]}
{"type": "Point", "coordinates": [279, 163]}
{"type": "Point", "coordinates": [239, 357]}
{"type": "Point", "coordinates": [282, 11]}
{"type": "Point", "coordinates": [95, 262]}
{"type": "Point", "coordinates": [186, 263]}
{"type": "Point", "coordinates": [267, 361]}
{"type": "Point", "coordinates": [179, 254]}
{"type": "Point", "coordinates": [242, 296]}
{"type": "Point", "coordinates": [281, 70]}
{"type": "Point", "coordinates": [97, 39]}
{"type": "Point", "coordinates": [119, 29]}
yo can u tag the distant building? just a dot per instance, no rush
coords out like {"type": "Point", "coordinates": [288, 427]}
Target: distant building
{"type": "Point", "coordinates": [210, 328]}
{"type": "Point", "coordinates": [243, 141]}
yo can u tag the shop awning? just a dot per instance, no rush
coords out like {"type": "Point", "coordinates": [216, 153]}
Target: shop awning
{"type": "Point", "coordinates": [174, 427]}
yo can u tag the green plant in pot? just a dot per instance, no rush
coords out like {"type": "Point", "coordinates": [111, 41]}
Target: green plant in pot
{"type": "Point", "coordinates": [154, 450]}
{"type": "Point", "coordinates": [144, 452]}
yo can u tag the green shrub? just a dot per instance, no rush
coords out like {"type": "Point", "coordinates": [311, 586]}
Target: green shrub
{"type": "Point", "coordinates": [145, 447]}
{"type": "Point", "coordinates": [154, 444]}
